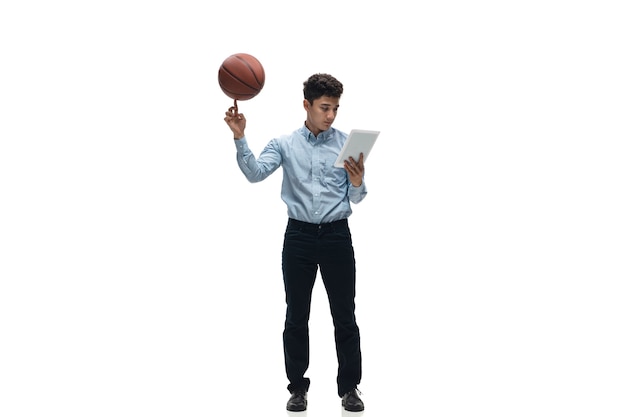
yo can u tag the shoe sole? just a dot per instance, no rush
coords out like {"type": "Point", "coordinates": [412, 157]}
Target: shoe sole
{"type": "Point", "coordinates": [297, 408]}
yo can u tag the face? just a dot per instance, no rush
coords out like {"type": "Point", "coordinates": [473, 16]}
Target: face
{"type": "Point", "coordinates": [321, 114]}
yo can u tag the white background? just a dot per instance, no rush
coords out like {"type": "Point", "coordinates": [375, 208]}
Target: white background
{"type": "Point", "coordinates": [140, 271]}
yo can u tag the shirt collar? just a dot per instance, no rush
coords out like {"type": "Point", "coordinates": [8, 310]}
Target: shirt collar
{"type": "Point", "coordinates": [322, 137]}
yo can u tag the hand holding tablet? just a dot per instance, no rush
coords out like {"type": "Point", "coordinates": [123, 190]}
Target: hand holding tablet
{"type": "Point", "coordinates": [359, 141]}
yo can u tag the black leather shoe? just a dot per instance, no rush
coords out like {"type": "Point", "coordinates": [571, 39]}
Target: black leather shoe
{"type": "Point", "coordinates": [351, 401]}
{"type": "Point", "coordinates": [297, 402]}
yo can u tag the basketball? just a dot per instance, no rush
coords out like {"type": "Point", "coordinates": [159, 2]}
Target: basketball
{"type": "Point", "coordinates": [241, 76]}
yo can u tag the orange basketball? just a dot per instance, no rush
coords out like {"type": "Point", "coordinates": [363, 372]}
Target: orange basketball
{"type": "Point", "coordinates": [241, 76]}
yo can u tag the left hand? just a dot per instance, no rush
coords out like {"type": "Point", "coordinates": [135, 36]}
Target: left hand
{"type": "Point", "coordinates": [355, 169]}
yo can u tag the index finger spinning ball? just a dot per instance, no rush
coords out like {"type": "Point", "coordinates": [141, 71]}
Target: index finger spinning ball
{"type": "Point", "coordinates": [241, 77]}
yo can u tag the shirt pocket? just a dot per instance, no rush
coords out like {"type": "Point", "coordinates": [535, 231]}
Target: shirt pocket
{"type": "Point", "coordinates": [336, 177]}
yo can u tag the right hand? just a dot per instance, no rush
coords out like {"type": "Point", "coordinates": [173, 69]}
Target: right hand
{"type": "Point", "coordinates": [236, 122]}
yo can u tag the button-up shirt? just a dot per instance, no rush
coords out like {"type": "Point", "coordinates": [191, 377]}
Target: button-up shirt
{"type": "Point", "coordinates": [314, 190]}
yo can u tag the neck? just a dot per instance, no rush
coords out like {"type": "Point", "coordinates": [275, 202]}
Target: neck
{"type": "Point", "coordinates": [315, 132]}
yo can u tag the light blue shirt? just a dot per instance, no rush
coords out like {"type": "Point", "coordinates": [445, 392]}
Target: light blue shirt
{"type": "Point", "coordinates": [314, 190]}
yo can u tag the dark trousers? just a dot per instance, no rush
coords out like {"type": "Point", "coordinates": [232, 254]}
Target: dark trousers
{"type": "Point", "coordinates": [329, 247]}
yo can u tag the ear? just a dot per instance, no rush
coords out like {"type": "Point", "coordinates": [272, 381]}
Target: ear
{"type": "Point", "coordinates": [306, 105]}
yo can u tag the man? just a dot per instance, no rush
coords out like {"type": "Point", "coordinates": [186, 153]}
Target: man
{"type": "Point", "coordinates": [318, 198]}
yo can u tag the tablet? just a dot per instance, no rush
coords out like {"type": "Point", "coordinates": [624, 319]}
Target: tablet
{"type": "Point", "coordinates": [358, 141]}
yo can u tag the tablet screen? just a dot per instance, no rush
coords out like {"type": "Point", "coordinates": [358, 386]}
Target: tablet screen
{"type": "Point", "coordinates": [358, 141]}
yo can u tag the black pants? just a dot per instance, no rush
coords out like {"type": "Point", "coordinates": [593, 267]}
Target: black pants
{"type": "Point", "coordinates": [329, 247]}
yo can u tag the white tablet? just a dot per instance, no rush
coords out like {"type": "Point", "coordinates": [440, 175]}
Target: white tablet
{"type": "Point", "coordinates": [358, 141]}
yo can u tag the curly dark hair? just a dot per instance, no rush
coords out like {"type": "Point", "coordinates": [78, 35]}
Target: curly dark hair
{"type": "Point", "coordinates": [319, 85]}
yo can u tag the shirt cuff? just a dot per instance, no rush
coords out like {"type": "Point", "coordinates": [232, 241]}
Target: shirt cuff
{"type": "Point", "coordinates": [241, 144]}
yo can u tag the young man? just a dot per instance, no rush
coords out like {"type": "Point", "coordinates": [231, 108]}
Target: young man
{"type": "Point", "coordinates": [317, 235]}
